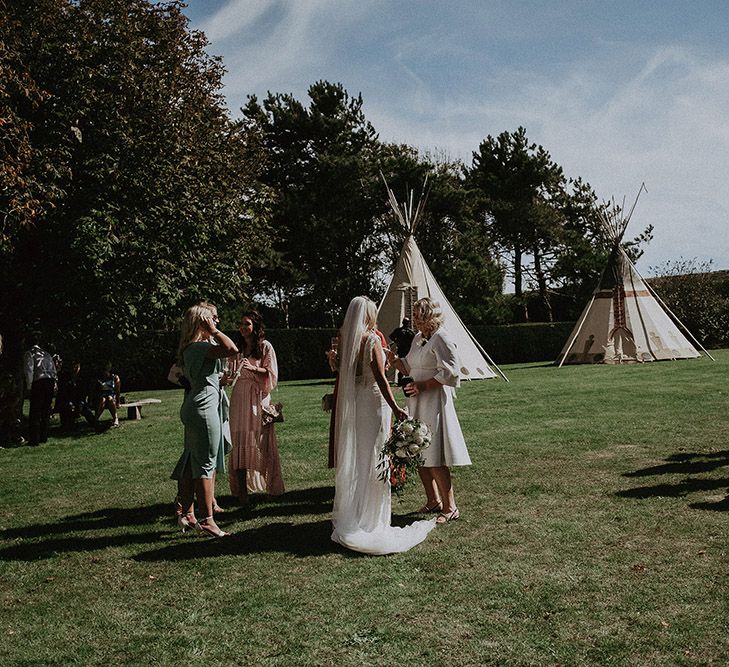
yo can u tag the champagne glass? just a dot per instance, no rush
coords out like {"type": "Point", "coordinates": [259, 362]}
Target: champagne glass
{"type": "Point", "coordinates": [231, 367]}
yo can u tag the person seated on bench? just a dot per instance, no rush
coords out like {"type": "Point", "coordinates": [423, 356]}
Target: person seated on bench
{"type": "Point", "coordinates": [107, 392]}
{"type": "Point", "coordinates": [71, 398]}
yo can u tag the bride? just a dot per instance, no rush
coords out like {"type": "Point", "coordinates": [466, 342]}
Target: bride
{"type": "Point", "coordinates": [362, 502]}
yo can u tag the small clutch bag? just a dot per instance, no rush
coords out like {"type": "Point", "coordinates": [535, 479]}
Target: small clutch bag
{"type": "Point", "coordinates": [272, 413]}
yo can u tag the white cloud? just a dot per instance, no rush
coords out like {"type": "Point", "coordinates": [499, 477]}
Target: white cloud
{"type": "Point", "coordinates": [234, 17]}
{"type": "Point", "coordinates": [270, 46]}
{"type": "Point", "coordinates": [665, 124]}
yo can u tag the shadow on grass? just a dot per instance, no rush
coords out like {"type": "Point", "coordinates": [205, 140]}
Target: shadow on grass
{"type": "Point", "coordinates": [684, 463]}
{"type": "Point", "coordinates": [46, 540]}
{"type": "Point", "coordinates": [688, 463]}
{"type": "Point", "coordinates": [301, 539]}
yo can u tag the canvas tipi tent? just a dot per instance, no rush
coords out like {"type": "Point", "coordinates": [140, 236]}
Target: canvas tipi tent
{"type": "Point", "coordinates": [625, 320]}
{"type": "Point", "coordinates": [412, 280]}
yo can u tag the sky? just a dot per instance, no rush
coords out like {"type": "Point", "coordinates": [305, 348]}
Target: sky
{"type": "Point", "coordinates": [619, 92]}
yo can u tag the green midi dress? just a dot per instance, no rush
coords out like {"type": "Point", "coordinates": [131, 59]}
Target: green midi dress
{"type": "Point", "coordinates": [204, 412]}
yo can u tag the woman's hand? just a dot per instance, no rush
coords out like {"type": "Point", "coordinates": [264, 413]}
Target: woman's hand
{"type": "Point", "coordinates": [415, 388]}
{"type": "Point", "coordinates": [209, 324]}
{"type": "Point", "coordinates": [400, 414]}
{"type": "Point", "coordinates": [333, 359]}
{"type": "Point", "coordinates": [248, 366]}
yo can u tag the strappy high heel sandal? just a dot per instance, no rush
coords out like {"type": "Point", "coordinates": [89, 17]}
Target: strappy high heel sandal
{"type": "Point", "coordinates": [445, 517]}
{"type": "Point", "coordinates": [184, 522]}
{"type": "Point", "coordinates": [217, 509]}
{"type": "Point", "coordinates": [203, 527]}
{"type": "Point", "coordinates": [431, 509]}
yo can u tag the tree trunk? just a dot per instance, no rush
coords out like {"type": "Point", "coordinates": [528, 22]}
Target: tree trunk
{"type": "Point", "coordinates": [542, 283]}
{"type": "Point", "coordinates": [518, 279]}
{"type": "Point", "coordinates": [517, 272]}
{"type": "Point", "coordinates": [283, 304]}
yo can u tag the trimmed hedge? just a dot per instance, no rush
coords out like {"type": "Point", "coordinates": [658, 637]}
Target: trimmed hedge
{"type": "Point", "coordinates": [300, 352]}
{"type": "Point", "coordinates": [518, 343]}
{"type": "Point", "coordinates": [143, 362]}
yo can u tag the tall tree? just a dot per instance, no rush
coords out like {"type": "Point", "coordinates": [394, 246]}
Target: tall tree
{"type": "Point", "coordinates": [155, 200]}
{"type": "Point", "coordinates": [515, 183]}
{"type": "Point", "coordinates": [322, 166]}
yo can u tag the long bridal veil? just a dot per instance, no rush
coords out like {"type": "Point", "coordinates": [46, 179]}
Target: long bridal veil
{"type": "Point", "coordinates": [362, 502]}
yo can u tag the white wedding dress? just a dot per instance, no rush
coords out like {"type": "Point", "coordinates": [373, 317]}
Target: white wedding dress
{"type": "Point", "coordinates": [362, 502]}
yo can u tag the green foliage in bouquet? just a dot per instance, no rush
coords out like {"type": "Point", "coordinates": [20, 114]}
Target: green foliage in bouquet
{"type": "Point", "coordinates": [402, 454]}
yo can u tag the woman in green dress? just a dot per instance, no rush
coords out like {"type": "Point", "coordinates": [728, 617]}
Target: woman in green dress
{"type": "Point", "coordinates": [202, 413]}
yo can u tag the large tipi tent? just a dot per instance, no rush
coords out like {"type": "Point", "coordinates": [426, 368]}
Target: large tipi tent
{"type": "Point", "coordinates": [412, 280]}
{"type": "Point", "coordinates": [625, 320]}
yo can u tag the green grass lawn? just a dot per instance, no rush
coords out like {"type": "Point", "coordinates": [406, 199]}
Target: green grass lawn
{"type": "Point", "coordinates": [593, 532]}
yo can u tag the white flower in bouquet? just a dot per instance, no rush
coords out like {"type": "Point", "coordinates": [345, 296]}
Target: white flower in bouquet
{"type": "Point", "coordinates": [402, 454]}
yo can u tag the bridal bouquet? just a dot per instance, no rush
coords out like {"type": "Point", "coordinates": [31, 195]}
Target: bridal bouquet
{"type": "Point", "coordinates": [402, 453]}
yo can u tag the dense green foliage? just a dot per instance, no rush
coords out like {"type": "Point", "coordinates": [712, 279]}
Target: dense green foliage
{"type": "Point", "coordinates": [335, 234]}
{"type": "Point", "coordinates": [547, 225]}
{"type": "Point", "coordinates": [592, 532]}
{"type": "Point", "coordinates": [146, 191]}
{"type": "Point", "coordinates": [321, 164]}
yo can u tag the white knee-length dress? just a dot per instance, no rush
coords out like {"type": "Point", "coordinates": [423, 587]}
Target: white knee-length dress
{"type": "Point", "coordinates": [437, 357]}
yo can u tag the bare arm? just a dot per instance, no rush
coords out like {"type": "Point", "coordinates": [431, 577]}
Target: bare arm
{"type": "Point", "coordinates": [396, 362]}
{"type": "Point", "coordinates": [378, 370]}
{"type": "Point", "coordinates": [225, 346]}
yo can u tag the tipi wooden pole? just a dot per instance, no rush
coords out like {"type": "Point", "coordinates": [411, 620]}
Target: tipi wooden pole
{"type": "Point", "coordinates": [485, 354]}
{"type": "Point", "coordinates": [579, 327]}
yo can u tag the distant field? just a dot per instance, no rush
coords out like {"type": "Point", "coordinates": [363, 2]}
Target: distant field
{"type": "Point", "coordinates": [593, 532]}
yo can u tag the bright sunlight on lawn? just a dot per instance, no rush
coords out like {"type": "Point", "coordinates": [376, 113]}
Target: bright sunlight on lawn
{"type": "Point", "coordinates": [593, 532]}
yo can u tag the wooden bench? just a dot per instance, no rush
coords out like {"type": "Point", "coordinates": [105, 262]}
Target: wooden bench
{"type": "Point", "coordinates": [134, 409]}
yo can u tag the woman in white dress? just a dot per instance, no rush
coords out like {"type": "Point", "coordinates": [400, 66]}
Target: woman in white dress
{"type": "Point", "coordinates": [362, 502]}
{"type": "Point", "coordinates": [433, 365]}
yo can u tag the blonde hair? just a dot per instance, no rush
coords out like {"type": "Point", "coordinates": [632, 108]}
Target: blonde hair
{"type": "Point", "coordinates": [192, 326]}
{"type": "Point", "coordinates": [429, 313]}
{"type": "Point", "coordinates": [370, 318]}
{"type": "Point", "coordinates": [210, 306]}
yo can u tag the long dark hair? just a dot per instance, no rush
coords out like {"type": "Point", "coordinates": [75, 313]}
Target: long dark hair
{"type": "Point", "coordinates": [259, 334]}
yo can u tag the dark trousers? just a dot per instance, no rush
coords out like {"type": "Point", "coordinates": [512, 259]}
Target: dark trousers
{"type": "Point", "coordinates": [70, 412]}
{"type": "Point", "coordinates": [41, 396]}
